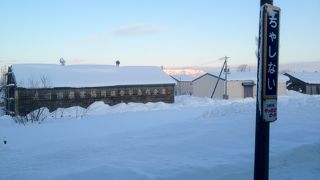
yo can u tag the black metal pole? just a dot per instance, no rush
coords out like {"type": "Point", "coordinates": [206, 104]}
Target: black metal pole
{"type": "Point", "coordinates": [261, 156]}
{"type": "Point", "coordinates": [215, 87]}
{"type": "Point", "coordinates": [262, 2]}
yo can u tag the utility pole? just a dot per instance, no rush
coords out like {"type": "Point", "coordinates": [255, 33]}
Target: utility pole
{"type": "Point", "coordinates": [226, 71]}
{"type": "Point", "coordinates": [266, 103]}
{"type": "Point", "coordinates": [215, 87]}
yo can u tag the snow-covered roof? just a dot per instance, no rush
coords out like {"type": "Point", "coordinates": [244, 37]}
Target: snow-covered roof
{"type": "Point", "coordinates": [183, 77]}
{"type": "Point", "coordinates": [308, 77]}
{"type": "Point", "coordinates": [27, 75]}
{"type": "Point", "coordinates": [234, 76]}
{"type": "Point", "coordinates": [247, 76]}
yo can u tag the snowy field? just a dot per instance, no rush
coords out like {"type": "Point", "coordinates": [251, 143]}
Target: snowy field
{"type": "Point", "coordinates": [194, 138]}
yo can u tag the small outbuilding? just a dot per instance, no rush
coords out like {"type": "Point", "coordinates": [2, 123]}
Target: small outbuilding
{"type": "Point", "coordinates": [304, 82]}
{"type": "Point", "coordinates": [243, 85]}
{"type": "Point", "coordinates": [183, 84]}
{"type": "Point", "coordinates": [204, 86]}
{"type": "Point", "coordinates": [239, 85]}
{"type": "Point", "coordinates": [32, 86]}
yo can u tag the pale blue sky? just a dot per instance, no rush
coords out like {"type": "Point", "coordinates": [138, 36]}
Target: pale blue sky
{"type": "Point", "coordinates": [149, 32]}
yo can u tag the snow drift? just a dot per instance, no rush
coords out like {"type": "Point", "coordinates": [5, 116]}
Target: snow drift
{"type": "Point", "coordinates": [194, 138]}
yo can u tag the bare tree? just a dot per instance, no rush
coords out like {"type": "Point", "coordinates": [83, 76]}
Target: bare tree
{"type": "Point", "coordinates": [33, 83]}
{"type": "Point", "coordinates": [3, 71]}
{"type": "Point", "coordinates": [40, 114]}
{"type": "Point", "coordinates": [45, 81]}
{"type": "Point", "coordinates": [37, 115]}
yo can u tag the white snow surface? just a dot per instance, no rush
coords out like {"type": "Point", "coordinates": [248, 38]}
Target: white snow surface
{"type": "Point", "coordinates": [249, 75]}
{"type": "Point", "coordinates": [308, 77]}
{"type": "Point", "coordinates": [194, 138]}
{"type": "Point", "coordinates": [29, 75]}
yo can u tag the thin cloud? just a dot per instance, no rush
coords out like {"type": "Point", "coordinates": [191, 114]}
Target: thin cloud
{"type": "Point", "coordinates": [138, 30]}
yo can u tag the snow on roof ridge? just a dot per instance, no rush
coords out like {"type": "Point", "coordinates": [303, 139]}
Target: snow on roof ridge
{"type": "Point", "coordinates": [308, 77]}
{"type": "Point", "coordinates": [89, 75]}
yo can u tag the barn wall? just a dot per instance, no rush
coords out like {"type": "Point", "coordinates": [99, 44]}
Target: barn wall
{"type": "Point", "coordinates": [236, 90]}
{"type": "Point", "coordinates": [28, 100]}
{"type": "Point", "coordinates": [312, 89]}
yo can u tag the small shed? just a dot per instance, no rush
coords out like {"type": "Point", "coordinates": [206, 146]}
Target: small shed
{"type": "Point", "coordinates": [183, 84]}
{"type": "Point", "coordinates": [304, 82]}
{"type": "Point", "coordinates": [204, 85]}
{"type": "Point", "coordinates": [243, 85]}
{"type": "Point", "coordinates": [32, 86]}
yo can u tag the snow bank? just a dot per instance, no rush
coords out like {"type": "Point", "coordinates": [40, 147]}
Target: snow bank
{"type": "Point", "coordinates": [194, 138]}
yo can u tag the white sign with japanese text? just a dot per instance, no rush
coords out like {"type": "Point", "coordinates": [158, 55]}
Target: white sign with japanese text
{"type": "Point", "coordinates": [270, 61]}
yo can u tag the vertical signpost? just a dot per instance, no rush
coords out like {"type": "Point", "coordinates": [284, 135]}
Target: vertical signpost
{"type": "Point", "coordinates": [268, 63]}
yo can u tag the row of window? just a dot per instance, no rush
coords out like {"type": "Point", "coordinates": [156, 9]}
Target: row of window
{"type": "Point", "coordinates": [313, 89]}
{"type": "Point", "coordinates": [70, 94]}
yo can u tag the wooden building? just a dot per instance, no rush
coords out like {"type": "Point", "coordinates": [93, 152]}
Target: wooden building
{"type": "Point", "coordinates": [32, 86]}
{"type": "Point", "coordinates": [304, 82]}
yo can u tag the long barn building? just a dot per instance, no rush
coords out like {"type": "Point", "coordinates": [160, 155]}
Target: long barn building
{"type": "Point", "coordinates": [32, 86]}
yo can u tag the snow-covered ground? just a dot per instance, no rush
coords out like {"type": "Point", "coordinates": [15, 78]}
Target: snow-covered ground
{"type": "Point", "coordinates": [194, 138]}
